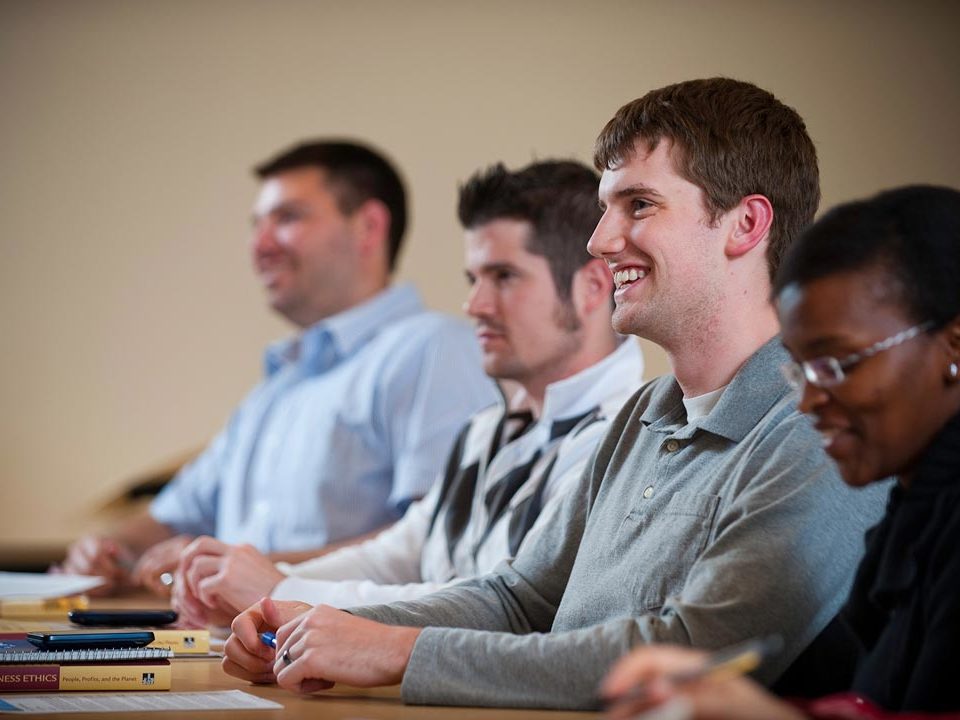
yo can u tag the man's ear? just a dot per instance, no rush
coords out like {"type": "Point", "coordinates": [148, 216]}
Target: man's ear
{"type": "Point", "coordinates": [371, 223]}
{"type": "Point", "coordinates": [752, 217]}
{"type": "Point", "coordinates": [592, 287]}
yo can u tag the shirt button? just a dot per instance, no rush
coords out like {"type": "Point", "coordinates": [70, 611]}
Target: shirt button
{"type": "Point", "coordinates": [672, 446]}
{"type": "Point", "coordinates": [648, 492]}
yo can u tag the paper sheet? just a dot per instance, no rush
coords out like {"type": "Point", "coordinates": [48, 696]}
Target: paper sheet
{"type": "Point", "coordinates": [679, 708]}
{"type": "Point", "coordinates": [134, 702]}
{"type": "Point", "coordinates": [20, 586]}
{"type": "Point", "coordinates": [29, 625]}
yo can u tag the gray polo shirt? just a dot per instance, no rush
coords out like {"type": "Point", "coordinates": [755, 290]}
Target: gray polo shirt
{"type": "Point", "coordinates": [734, 526]}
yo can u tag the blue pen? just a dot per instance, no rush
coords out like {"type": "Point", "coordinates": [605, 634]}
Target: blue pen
{"type": "Point", "coordinates": [270, 639]}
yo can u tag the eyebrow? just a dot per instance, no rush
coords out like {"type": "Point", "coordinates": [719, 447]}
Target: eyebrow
{"type": "Point", "coordinates": [636, 189]}
{"type": "Point", "coordinates": [827, 344]}
{"type": "Point", "coordinates": [285, 206]}
{"type": "Point", "coordinates": [492, 267]}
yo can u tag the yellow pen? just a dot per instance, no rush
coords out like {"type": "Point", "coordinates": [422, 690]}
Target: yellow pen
{"type": "Point", "coordinates": [729, 662]}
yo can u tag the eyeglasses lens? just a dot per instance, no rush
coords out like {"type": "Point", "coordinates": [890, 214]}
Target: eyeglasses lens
{"type": "Point", "coordinates": [821, 372]}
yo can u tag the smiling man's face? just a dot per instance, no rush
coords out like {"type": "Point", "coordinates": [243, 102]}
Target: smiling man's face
{"type": "Point", "coordinates": [666, 257]}
{"type": "Point", "coordinates": [304, 248]}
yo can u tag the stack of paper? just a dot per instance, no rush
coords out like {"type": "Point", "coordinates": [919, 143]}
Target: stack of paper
{"type": "Point", "coordinates": [41, 595]}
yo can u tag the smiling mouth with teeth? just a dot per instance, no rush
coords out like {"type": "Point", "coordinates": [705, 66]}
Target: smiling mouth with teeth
{"type": "Point", "coordinates": [625, 277]}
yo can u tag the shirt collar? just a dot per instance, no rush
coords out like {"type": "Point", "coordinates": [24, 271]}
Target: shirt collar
{"type": "Point", "coordinates": [343, 333]}
{"type": "Point", "coordinates": [618, 374]}
{"type": "Point", "coordinates": [757, 387]}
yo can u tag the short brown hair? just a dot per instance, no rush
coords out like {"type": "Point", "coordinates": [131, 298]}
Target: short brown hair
{"type": "Point", "coordinates": [356, 173]}
{"type": "Point", "coordinates": [731, 139]}
{"type": "Point", "coordinates": [557, 197]}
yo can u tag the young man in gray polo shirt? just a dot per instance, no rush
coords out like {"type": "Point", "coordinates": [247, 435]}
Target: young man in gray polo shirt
{"type": "Point", "coordinates": [709, 515]}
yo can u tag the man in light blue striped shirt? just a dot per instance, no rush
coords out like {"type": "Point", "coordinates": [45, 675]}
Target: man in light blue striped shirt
{"type": "Point", "coordinates": [355, 414]}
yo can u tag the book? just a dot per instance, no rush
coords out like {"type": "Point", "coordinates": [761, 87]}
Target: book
{"type": "Point", "coordinates": [182, 642]}
{"type": "Point", "coordinates": [42, 608]}
{"type": "Point", "coordinates": [24, 667]}
{"type": "Point", "coordinates": [151, 674]}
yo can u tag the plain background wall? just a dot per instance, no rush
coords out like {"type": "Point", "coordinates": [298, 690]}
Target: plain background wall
{"type": "Point", "coordinates": [131, 321]}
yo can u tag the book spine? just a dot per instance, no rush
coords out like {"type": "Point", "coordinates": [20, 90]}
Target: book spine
{"type": "Point", "coordinates": [182, 642]}
{"type": "Point", "coordinates": [52, 608]}
{"type": "Point", "coordinates": [143, 676]}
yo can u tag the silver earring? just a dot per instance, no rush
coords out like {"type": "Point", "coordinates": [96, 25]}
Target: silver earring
{"type": "Point", "coordinates": [954, 371]}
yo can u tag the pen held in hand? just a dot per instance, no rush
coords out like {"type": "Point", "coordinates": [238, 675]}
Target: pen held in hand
{"type": "Point", "coordinates": [270, 639]}
{"type": "Point", "coordinates": [729, 662]}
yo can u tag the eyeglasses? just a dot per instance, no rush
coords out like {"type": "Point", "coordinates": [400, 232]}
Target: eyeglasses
{"type": "Point", "coordinates": [829, 371]}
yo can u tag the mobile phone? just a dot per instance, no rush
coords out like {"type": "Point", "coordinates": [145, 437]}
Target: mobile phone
{"type": "Point", "coordinates": [122, 618]}
{"type": "Point", "coordinates": [89, 641]}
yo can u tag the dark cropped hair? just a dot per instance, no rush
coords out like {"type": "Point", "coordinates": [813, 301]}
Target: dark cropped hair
{"type": "Point", "coordinates": [557, 197]}
{"type": "Point", "coordinates": [731, 139]}
{"type": "Point", "coordinates": [355, 173]}
{"type": "Point", "coordinates": [911, 233]}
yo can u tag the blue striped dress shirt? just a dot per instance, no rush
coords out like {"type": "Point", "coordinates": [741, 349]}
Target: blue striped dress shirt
{"type": "Point", "coordinates": [353, 421]}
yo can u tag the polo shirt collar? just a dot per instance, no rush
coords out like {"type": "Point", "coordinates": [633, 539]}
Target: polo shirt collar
{"type": "Point", "coordinates": [757, 387]}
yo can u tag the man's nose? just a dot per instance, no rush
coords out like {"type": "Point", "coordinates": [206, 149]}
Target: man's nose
{"type": "Point", "coordinates": [607, 238]}
{"type": "Point", "coordinates": [479, 300]}
{"type": "Point", "coordinates": [264, 237]}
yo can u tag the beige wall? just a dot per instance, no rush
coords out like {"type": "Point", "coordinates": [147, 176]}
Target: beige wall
{"type": "Point", "coordinates": [131, 323]}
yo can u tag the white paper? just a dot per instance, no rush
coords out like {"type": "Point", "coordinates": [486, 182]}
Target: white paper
{"type": "Point", "coordinates": [678, 708]}
{"type": "Point", "coordinates": [138, 701]}
{"type": "Point", "coordinates": [23, 586]}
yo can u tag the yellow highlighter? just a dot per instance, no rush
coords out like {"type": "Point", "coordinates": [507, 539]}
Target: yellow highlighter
{"type": "Point", "coordinates": [729, 662]}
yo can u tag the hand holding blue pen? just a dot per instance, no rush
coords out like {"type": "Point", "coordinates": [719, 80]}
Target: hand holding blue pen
{"type": "Point", "coordinates": [270, 639]}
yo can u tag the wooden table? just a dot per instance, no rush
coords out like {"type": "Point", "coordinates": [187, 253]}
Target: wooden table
{"type": "Point", "coordinates": [346, 703]}
{"type": "Point", "coordinates": [353, 703]}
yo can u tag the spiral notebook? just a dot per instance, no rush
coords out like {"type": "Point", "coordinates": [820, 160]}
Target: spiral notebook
{"type": "Point", "coordinates": [14, 653]}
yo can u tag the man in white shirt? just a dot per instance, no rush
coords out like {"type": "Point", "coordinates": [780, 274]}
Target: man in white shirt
{"type": "Point", "coordinates": [542, 310]}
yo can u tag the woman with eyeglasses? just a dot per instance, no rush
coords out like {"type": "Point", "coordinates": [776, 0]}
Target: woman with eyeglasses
{"type": "Point", "coordinates": [869, 305]}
